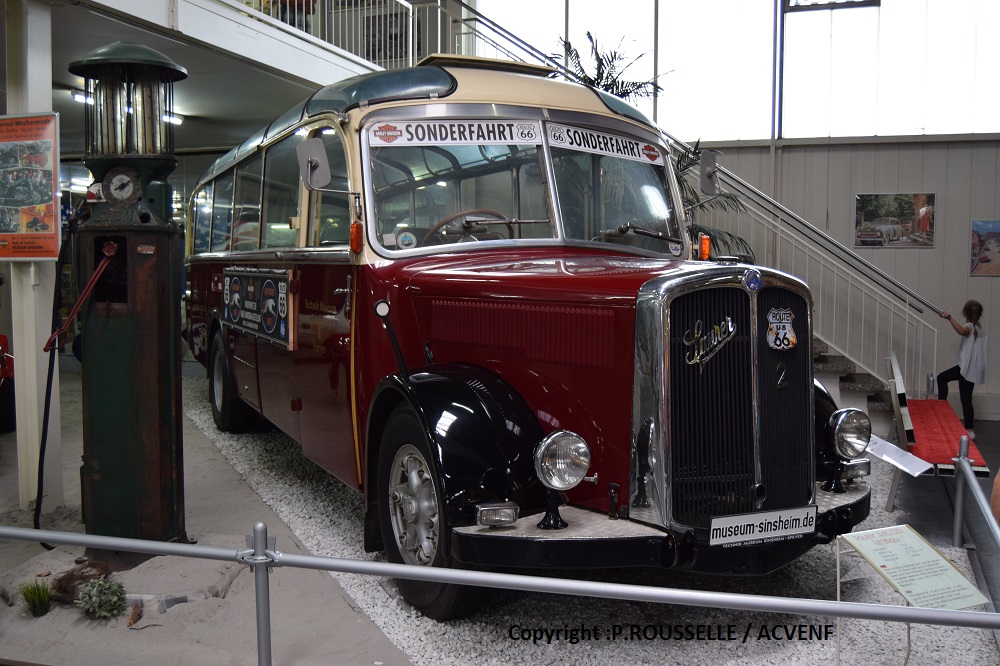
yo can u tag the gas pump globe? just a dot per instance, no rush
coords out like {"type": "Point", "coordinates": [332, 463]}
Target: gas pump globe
{"type": "Point", "coordinates": [128, 130]}
{"type": "Point", "coordinates": [132, 473]}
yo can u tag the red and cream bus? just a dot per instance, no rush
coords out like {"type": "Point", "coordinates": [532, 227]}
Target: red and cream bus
{"type": "Point", "coordinates": [466, 289]}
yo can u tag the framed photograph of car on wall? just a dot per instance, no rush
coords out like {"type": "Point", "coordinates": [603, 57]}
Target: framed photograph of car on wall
{"type": "Point", "coordinates": [894, 220]}
{"type": "Point", "coordinates": [984, 248]}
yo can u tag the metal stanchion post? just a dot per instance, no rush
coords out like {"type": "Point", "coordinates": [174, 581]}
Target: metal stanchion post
{"type": "Point", "coordinates": [963, 454]}
{"type": "Point", "coordinates": [259, 562]}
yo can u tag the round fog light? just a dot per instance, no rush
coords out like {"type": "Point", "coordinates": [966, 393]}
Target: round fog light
{"type": "Point", "coordinates": [562, 459]}
{"type": "Point", "coordinates": [852, 430]}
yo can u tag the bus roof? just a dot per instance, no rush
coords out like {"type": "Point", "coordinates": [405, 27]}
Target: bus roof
{"type": "Point", "coordinates": [430, 79]}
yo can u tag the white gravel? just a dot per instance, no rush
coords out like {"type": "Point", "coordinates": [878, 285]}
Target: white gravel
{"type": "Point", "coordinates": [326, 516]}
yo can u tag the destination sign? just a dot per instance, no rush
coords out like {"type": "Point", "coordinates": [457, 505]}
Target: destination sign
{"type": "Point", "coordinates": [442, 132]}
{"type": "Point", "coordinates": [592, 141]}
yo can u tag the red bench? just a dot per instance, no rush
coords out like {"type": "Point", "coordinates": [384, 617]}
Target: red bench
{"type": "Point", "coordinates": [929, 430]}
{"type": "Point", "coordinates": [936, 432]}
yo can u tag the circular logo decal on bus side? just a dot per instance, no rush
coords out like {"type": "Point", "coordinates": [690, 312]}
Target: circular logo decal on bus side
{"type": "Point", "coordinates": [235, 295]}
{"type": "Point", "coordinates": [269, 304]}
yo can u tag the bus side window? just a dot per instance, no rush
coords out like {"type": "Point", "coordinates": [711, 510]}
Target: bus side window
{"type": "Point", "coordinates": [222, 212]}
{"type": "Point", "coordinates": [201, 219]}
{"type": "Point", "coordinates": [332, 222]}
{"type": "Point", "coordinates": [246, 206]}
{"type": "Point", "coordinates": [281, 193]}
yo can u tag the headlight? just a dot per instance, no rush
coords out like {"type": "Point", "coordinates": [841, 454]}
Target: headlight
{"type": "Point", "coordinates": [851, 430]}
{"type": "Point", "coordinates": [562, 459]}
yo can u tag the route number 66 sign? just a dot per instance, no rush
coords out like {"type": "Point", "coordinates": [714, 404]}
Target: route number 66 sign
{"type": "Point", "coordinates": [780, 333]}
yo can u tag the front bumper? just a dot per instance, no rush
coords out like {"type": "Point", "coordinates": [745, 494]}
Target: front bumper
{"type": "Point", "coordinates": [593, 540]}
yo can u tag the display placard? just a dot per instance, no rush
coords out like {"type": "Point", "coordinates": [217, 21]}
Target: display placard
{"type": "Point", "coordinates": [260, 302]}
{"type": "Point", "coordinates": [29, 210]}
{"type": "Point", "coordinates": [915, 568]}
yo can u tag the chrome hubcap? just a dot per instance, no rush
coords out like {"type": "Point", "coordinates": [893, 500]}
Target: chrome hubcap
{"type": "Point", "coordinates": [413, 506]}
{"type": "Point", "coordinates": [218, 379]}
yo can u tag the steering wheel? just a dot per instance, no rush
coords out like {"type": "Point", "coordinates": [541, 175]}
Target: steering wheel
{"type": "Point", "coordinates": [471, 211]}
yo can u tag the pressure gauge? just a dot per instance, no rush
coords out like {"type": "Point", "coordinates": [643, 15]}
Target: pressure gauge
{"type": "Point", "coordinates": [121, 186]}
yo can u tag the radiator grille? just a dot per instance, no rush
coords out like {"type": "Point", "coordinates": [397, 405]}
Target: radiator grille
{"type": "Point", "coordinates": [714, 421]}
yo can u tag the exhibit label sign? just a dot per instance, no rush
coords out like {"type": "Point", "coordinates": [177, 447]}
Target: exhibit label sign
{"type": "Point", "coordinates": [915, 568]}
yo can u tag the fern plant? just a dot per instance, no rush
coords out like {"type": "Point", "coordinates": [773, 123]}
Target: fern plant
{"type": "Point", "coordinates": [609, 68]}
{"type": "Point", "coordinates": [102, 599]}
{"type": "Point", "coordinates": [37, 597]}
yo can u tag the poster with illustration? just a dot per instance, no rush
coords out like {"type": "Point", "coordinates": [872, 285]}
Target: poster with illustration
{"type": "Point", "coordinates": [29, 214]}
{"type": "Point", "coordinates": [984, 248]}
{"type": "Point", "coordinates": [894, 220]}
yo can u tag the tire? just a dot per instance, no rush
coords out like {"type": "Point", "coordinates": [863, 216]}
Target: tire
{"type": "Point", "coordinates": [229, 411]}
{"type": "Point", "coordinates": [411, 513]}
{"type": "Point", "coordinates": [885, 240]}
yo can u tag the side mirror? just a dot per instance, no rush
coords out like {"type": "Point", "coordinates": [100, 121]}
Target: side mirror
{"type": "Point", "coordinates": [314, 167]}
{"type": "Point", "coordinates": [709, 173]}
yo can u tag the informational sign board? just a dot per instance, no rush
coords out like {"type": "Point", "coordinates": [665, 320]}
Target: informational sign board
{"type": "Point", "coordinates": [260, 302]}
{"type": "Point", "coordinates": [29, 179]}
{"type": "Point", "coordinates": [915, 568]}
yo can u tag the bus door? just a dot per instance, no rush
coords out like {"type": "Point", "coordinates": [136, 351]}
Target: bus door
{"type": "Point", "coordinates": [322, 364]}
{"type": "Point", "coordinates": [312, 383]}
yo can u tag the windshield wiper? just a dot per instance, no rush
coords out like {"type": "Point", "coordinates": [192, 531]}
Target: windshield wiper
{"type": "Point", "coordinates": [643, 231]}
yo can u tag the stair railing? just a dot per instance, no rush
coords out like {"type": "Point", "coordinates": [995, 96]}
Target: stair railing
{"type": "Point", "coordinates": [859, 311]}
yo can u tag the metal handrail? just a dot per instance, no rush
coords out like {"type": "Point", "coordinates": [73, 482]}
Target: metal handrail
{"type": "Point", "coordinates": [745, 189]}
{"type": "Point", "coordinates": [968, 476]}
{"type": "Point", "coordinates": [890, 313]}
{"type": "Point", "coordinates": [263, 555]}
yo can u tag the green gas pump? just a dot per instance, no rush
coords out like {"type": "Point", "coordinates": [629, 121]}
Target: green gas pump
{"type": "Point", "coordinates": [132, 477]}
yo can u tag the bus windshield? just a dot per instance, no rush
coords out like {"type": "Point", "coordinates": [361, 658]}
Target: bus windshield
{"type": "Point", "coordinates": [458, 181]}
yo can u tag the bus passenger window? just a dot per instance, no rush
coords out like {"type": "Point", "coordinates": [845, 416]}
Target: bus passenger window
{"type": "Point", "coordinates": [281, 193]}
{"type": "Point", "coordinates": [201, 219]}
{"type": "Point", "coordinates": [246, 206]}
{"type": "Point", "coordinates": [222, 212]}
{"type": "Point", "coordinates": [331, 223]}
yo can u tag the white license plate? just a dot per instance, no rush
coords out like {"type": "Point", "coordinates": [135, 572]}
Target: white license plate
{"type": "Point", "coordinates": [751, 528]}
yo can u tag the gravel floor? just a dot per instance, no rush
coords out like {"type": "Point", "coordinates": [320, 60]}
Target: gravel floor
{"type": "Point", "coordinates": [326, 516]}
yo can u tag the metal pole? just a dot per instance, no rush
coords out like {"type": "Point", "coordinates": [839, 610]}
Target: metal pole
{"type": "Point", "coordinates": [656, 56]}
{"type": "Point", "coordinates": [956, 534]}
{"type": "Point", "coordinates": [599, 590]}
{"type": "Point", "coordinates": [270, 557]}
{"type": "Point", "coordinates": [980, 497]}
{"type": "Point", "coordinates": [263, 594]}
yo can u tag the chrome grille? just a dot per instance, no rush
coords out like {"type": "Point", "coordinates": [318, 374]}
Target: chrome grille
{"type": "Point", "coordinates": [737, 442]}
{"type": "Point", "coordinates": [711, 457]}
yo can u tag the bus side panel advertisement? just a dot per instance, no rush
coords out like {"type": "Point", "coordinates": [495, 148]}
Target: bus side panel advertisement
{"type": "Point", "coordinates": [260, 302]}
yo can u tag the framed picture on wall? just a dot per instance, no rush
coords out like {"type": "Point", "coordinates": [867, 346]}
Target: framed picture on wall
{"type": "Point", "coordinates": [984, 248]}
{"type": "Point", "coordinates": [894, 220]}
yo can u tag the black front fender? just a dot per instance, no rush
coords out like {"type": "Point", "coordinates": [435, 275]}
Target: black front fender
{"type": "Point", "coordinates": [480, 431]}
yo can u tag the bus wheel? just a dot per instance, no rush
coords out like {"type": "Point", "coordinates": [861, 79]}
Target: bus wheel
{"type": "Point", "coordinates": [229, 411]}
{"type": "Point", "coordinates": [411, 511]}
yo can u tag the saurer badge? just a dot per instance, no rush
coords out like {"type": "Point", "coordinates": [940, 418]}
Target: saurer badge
{"type": "Point", "coordinates": [780, 334]}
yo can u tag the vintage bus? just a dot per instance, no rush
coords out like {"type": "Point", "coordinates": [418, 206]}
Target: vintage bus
{"type": "Point", "coordinates": [466, 288]}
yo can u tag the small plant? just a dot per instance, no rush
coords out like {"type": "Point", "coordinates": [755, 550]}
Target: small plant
{"type": "Point", "coordinates": [37, 597]}
{"type": "Point", "coordinates": [102, 599]}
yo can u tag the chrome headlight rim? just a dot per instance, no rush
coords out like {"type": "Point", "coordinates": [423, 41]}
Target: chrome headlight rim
{"type": "Point", "coordinates": [850, 432]}
{"type": "Point", "coordinates": [561, 459]}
